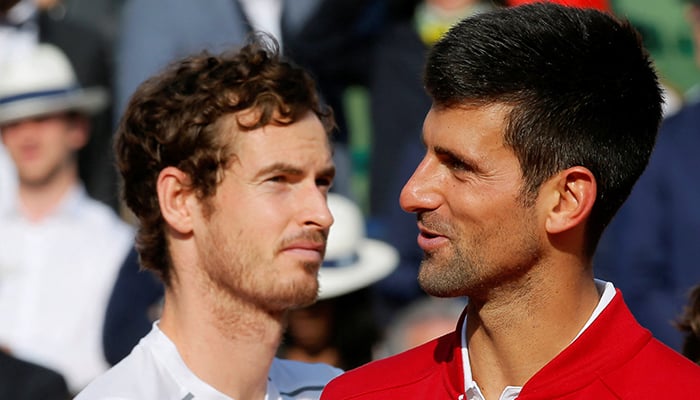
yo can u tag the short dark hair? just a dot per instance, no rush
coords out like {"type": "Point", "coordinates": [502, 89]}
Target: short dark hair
{"type": "Point", "coordinates": [176, 118]}
{"type": "Point", "coordinates": [581, 87]}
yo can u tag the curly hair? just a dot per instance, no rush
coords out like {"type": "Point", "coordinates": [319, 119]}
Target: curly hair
{"type": "Point", "coordinates": [690, 326]}
{"type": "Point", "coordinates": [176, 118]}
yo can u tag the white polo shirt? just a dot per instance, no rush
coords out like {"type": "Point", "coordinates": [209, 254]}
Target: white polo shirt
{"type": "Point", "coordinates": [155, 370]}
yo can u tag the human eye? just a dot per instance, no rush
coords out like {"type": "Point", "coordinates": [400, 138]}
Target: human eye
{"type": "Point", "coordinates": [324, 182]}
{"type": "Point", "coordinates": [277, 179]}
{"type": "Point", "coordinates": [456, 164]}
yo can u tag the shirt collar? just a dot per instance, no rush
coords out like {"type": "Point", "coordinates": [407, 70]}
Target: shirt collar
{"type": "Point", "coordinates": [471, 389]}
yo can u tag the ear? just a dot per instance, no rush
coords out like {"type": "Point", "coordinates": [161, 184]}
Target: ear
{"type": "Point", "coordinates": [574, 192]}
{"type": "Point", "coordinates": [78, 131]}
{"type": "Point", "coordinates": [174, 193]}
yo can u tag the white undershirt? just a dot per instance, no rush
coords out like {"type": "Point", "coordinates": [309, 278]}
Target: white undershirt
{"type": "Point", "coordinates": [471, 389]}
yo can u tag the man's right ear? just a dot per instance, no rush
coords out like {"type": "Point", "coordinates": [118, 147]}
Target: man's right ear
{"type": "Point", "coordinates": [174, 193]}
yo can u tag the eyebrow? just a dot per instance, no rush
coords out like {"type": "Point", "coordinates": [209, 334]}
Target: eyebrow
{"type": "Point", "coordinates": [280, 168]}
{"type": "Point", "coordinates": [450, 155]}
{"type": "Point", "coordinates": [288, 169]}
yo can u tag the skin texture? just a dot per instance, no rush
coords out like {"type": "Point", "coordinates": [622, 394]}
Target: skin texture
{"type": "Point", "coordinates": [521, 264]}
{"type": "Point", "coordinates": [278, 185]}
{"type": "Point", "coordinates": [487, 238]}
{"type": "Point", "coordinates": [249, 253]}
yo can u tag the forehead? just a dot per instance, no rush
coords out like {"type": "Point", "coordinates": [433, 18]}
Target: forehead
{"type": "Point", "coordinates": [303, 142]}
{"type": "Point", "coordinates": [467, 129]}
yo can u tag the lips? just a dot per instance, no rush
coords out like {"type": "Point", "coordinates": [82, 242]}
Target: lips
{"type": "Point", "coordinates": [308, 251]}
{"type": "Point", "coordinates": [429, 238]}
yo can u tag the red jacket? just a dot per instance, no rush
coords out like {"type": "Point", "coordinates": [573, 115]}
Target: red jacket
{"type": "Point", "coordinates": [615, 358]}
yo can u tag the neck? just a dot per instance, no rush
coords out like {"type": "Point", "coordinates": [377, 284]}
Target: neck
{"type": "Point", "coordinates": [225, 342]}
{"type": "Point", "coordinates": [512, 335]}
{"type": "Point", "coordinates": [39, 199]}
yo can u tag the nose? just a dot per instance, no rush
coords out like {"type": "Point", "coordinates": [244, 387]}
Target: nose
{"type": "Point", "coordinates": [316, 211]}
{"type": "Point", "coordinates": [420, 192]}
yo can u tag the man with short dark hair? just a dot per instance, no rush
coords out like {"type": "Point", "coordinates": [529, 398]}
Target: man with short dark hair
{"type": "Point", "coordinates": [543, 117]}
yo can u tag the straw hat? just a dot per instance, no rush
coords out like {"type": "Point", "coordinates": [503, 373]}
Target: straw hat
{"type": "Point", "coordinates": [42, 82]}
{"type": "Point", "coordinates": [352, 260]}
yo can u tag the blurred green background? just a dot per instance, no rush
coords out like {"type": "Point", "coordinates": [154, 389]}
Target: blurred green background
{"type": "Point", "coordinates": [666, 34]}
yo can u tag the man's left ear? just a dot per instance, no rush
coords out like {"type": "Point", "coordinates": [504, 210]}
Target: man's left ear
{"type": "Point", "coordinates": [574, 192]}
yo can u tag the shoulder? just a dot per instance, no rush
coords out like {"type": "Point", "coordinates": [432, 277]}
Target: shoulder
{"type": "Point", "coordinates": [669, 365]}
{"type": "Point", "coordinates": [659, 368]}
{"type": "Point", "coordinates": [121, 381]}
{"type": "Point", "coordinates": [295, 378]}
{"type": "Point", "coordinates": [431, 366]}
{"type": "Point", "coordinates": [140, 375]}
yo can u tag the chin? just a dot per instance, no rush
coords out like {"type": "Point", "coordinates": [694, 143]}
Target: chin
{"type": "Point", "coordinates": [298, 295]}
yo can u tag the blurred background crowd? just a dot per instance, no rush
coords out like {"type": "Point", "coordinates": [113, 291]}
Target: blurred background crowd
{"type": "Point", "coordinates": [72, 298]}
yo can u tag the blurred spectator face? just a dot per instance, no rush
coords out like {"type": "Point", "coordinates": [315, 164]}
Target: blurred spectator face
{"type": "Point", "coordinates": [43, 147]}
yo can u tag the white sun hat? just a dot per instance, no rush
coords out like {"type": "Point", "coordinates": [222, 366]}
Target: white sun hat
{"type": "Point", "coordinates": [42, 82]}
{"type": "Point", "coordinates": [352, 260]}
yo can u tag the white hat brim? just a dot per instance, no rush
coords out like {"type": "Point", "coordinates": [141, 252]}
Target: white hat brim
{"type": "Point", "coordinates": [376, 260]}
{"type": "Point", "coordinates": [87, 101]}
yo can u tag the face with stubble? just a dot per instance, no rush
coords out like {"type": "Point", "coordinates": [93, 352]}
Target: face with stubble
{"type": "Point", "coordinates": [265, 237]}
{"type": "Point", "coordinates": [476, 231]}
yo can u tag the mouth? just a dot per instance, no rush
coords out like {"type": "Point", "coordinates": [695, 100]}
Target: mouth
{"type": "Point", "coordinates": [308, 251]}
{"type": "Point", "coordinates": [427, 233]}
{"type": "Point", "coordinates": [430, 240]}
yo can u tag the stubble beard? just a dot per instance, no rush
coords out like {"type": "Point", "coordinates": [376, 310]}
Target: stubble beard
{"type": "Point", "coordinates": [461, 270]}
{"type": "Point", "coordinates": [239, 274]}
{"type": "Point", "coordinates": [443, 276]}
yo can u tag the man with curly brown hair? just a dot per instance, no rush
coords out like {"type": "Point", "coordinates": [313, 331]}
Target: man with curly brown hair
{"type": "Point", "coordinates": [226, 162]}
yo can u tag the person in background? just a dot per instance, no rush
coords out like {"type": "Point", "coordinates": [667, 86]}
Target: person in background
{"type": "Point", "coordinates": [153, 33]}
{"type": "Point", "coordinates": [226, 163]}
{"type": "Point", "coordinates": [59, 248]}
{"type": "Point", "coordinates": [650, 247]}
{"type": "Point", "coordinates": [134, 304]}
{"type": "Point", "coordinates": [689, 325]}
{"type": "Point", "coordinates": [22, 380]}
{"type": "Point", "coordinates": [422, 320]}
{"type": "Point", "coordinates": [27, 23]}
{"type": "Point", "coordinates": [543, 117]}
